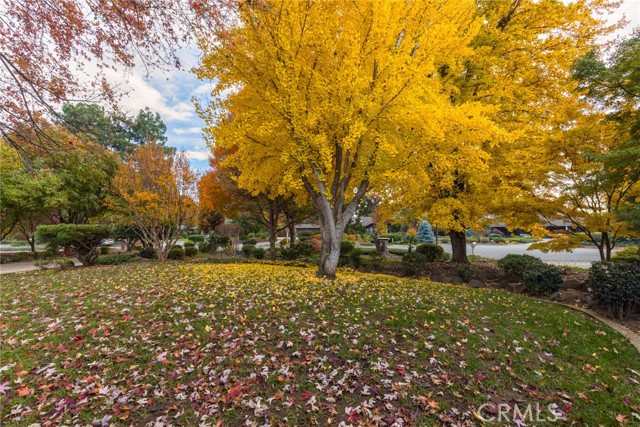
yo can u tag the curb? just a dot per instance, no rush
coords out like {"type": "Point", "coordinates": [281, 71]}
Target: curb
{"type": "Point", "coordinates": [633, 337]}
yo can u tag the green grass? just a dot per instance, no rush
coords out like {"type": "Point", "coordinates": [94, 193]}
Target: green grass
{"type": "Point", "coordinates": [183, 343]}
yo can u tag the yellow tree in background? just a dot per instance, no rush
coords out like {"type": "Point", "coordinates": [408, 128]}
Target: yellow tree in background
{"type": "Point", "coordinates": [157, 189]}
{"type": "Point", "coordinates": [327, 96]}
{"type": "Point", "coordinates": [518, 80]}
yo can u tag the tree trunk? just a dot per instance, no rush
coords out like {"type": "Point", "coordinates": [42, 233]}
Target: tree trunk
{"type": "Point", "coordinates": [458, 246]}
{"type": "Point", "coordinates": [600, 247]}
{"type": "Point", "coordinates": [273, 228]}
{"type": "Point", "coordinates": [292, 235]}
{"type": "Point", "coordinates": [330, 255]}
{"type": "Point", "coordinates": [32, 243]}
{"type": "Point", "coordinates": [606, 243]}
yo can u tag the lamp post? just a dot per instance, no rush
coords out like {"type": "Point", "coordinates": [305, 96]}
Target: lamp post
{"type": "Point", "coordinates": [473, 248]}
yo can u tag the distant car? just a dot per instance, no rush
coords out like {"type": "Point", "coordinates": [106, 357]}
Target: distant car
{"type": "Point", "coordinates": [107, 242]}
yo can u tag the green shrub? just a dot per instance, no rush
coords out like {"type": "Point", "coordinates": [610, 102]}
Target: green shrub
{"type": "Point", "coordinates": [284, 242]}
{"type": "Point", "coordinates": [175, 252]}
{"type": "Point", "coordinates": [517, 265]}
{"type": "Point", "coordinates": [396, 251]}
{"type": "Point", "coordinates": [543, 279]}
{"type": "Point", "coordinates": [104, 250]}
{"type": "Point", "coordinates": [6, 258]}
{"type": "Point", "coordinates": [261, 235]}
{"type": "Point", "coordinates": [82, 238]}
{"type": "Point", "coordinates": [247, 249]}
{"type": "Point", "coordinates": [616, 284]}
{"type": "Point", "coordinates": [431, 252]}
{"type": "Point", "coordinates": [373, 261]}
{"type": "Point", "coordinates": [630, 253]}
{"type": "Point", "coordinates": [346, 247]}
{"type": "Point", "coordinates": [188, 244]}
{"type": "Point", "coordinates": [214, 241]}
{"type": "Point", "coordinates": [114, 259]}
{"type": "Point", "coordinates": [148, 252]}
{"type": "Point", "coordinates": [413, 262]}
{"type": "Point", "coordinates": [466, 272]}
{"type": "Point", "coordinates": [250, 242]}
{"type": "Point", "coordinates": [299, 250]}
{"type": "Point", "coordinates": [196, 238]}
{"type": "Point", "coordinates": [190, 250]}
{"type": "Point", "coordinates": [258, 253]}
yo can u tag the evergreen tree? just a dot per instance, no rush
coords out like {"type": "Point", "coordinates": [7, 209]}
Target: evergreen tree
{"type": "Point", "coordinates": [425, 233]}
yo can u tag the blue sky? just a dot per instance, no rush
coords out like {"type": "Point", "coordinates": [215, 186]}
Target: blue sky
{"type": "Point", "coordinates": [170, 94]}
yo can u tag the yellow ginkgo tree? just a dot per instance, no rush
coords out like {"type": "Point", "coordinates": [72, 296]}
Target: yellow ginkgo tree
{"type": "Point", "coordinates": [325, 97]}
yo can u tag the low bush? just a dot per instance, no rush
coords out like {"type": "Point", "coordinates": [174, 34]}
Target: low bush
{"type": "Point", "coordinates": [148, 252]}
{"type": "Point", "coordinates": [284, 242]}
{"type": "Point", "coordinates": [630, 253]}
{"type": "Point", "coordinates": [517, 265]}
{"type": "Point", "coordinates": [104, 250]}
{"type": "Point", "coordinates": [249, 242]}
{"type": "Point", "coordinates": [299, 250]}
{"type": "Point", "coordinates": [543, 279]}
{"type": "Point", "coordinates": [616, 284]}
{"type": "Point", "coordinates": [188, 244]}
{"type": "Point", "coordinates": [346, 247]}
{"type": "Point", "coordinates": [258, 253]}
{"type": "Point", "coordinates": [190, 250]}
{"type": "Point", "coordinates": [114, 259]}
{"type": "Point", "coordinates": [261, 235]}
{"type": "Point", "coordinates": [197, 238]}
{"type": "Point", "coordinates": [431, 252]}
{"type": "Point", "coordinates": [412, 263]}
{"type": "Point", "coordinates": [175, 252]}
{"type": "Point", "coordinates": [15, 257]}
{"type": "Point", "coordinates": [396, 251]}
{"type": "Point", "coordinates": [247, 249]}
{"type": "Point", "coordinates": [214, 241]}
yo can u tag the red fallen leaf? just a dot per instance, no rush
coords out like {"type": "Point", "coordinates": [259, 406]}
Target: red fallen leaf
{"type": "Point", "coordinates": [423, 399]}
{"type": "Point", "coordinates": [401, 369]}
{"type": "Point", "coordinates": [480, 377]}
{"type": "Point", "coordinates": [565, 332]}
{"type": "Point", "coordinates": [307, 395]}
{"type": "Point", "coordinates": [78, 338]}
{"type": "Point", "coordinates": [24, 391]}
{"type": "Point", "coordinates": [235, 392]}
{"type": "Point", "coordinates": [93, 331]}
{"type": "Point", "coordinates": [353, 416]}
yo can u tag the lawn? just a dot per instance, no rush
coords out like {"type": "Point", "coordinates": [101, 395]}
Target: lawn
{"type": "Point", "coordinates": [196, 344]}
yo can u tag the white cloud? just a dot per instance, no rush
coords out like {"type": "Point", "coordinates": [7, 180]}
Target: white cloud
{"type": "Point", "coordinates": [198, 155]}
{"type": "Point", "coordinates": [187, 131]}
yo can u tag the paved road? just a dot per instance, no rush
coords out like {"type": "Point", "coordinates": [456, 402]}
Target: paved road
{"type": "Point", "coordinates": [581, 257]}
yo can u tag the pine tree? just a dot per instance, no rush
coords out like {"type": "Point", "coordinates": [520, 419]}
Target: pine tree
{"type": "Point", "coordinates": [425, 233]}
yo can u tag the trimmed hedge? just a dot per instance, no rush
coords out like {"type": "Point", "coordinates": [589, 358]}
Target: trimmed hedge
{"type": "Point", "coordinates": [413, 262]}
{"type": "Point", "coordinates": [616, 284]}
{"type": "Point", "coordinates": [517, 265]}
{"type": "Point", "coordinates": [247, 249]}
{"type": "Point", "coordinates": [431, 252]}
{"type": "Point", "coordinates": [197, 238]}
{"type": "Point", "coordinates": [190, 250]}
{"type": "Point", "coordinates": [258, 253]}
{"type": "Point", "coordinates": [543, 279]}
{"type": "Point", "coordinates": [114, 259]}
{"type": "Point", "coordinates": [175, 252]}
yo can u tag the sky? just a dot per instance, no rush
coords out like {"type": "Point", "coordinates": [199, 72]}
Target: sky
{"type": "Point", "coordinates": [170, 93]}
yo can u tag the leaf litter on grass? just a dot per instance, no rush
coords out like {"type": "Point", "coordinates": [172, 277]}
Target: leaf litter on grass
{"type": "Point", "coordinates": [193, 344]}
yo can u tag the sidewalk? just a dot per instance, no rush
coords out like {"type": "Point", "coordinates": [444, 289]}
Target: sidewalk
{"type": "Point", "coordinates": [24, 267]}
